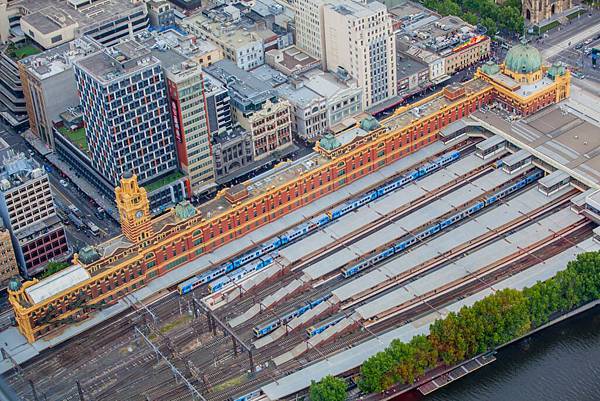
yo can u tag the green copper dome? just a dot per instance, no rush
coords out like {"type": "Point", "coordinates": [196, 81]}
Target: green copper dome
{"type": "Point", "coordinates": [329, 142]}
{"type": "Point", "coordinates": [523, 59]}
{"type": "Point", "coordinates": [490, 68]}
{"type": "Point", "coordinates": [14, 284]}
{"type": "Point", "coordinates": [184, 210]}
{"type": "Point", "coordinates": [557, 69]}
{"type": "Point", "coordinates": [369, 123]}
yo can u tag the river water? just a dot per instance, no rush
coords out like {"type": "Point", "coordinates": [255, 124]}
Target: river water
{"type": "Point", "coordinates": [561, 363]}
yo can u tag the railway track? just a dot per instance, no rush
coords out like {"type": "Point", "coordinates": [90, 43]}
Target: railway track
{"type": "Point", "coordinates": [530, 217]}
{"type": "Point", "coordinates": [178, 392]}
{"type": "Point", "coordinates": [360, 234]}
{"type": "Point", "coordinates": [155, 380]}
{"type": "Point", "coordinates": [334, 279]}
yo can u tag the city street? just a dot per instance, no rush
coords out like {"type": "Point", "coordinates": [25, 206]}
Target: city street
{"type": "Point", "coordinates": [560, 44]}
{"type": "Point", "coordinates": [65, 196]}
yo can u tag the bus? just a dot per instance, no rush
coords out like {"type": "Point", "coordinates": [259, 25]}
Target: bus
{"type": "Point", "coordinates": [76, 221]}
{"type": "Point", "coordinates": [93, 228]}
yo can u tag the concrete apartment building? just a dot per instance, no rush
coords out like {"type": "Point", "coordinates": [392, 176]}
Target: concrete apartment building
{"type": "Point", "coordinates": [125, 106]}
{"type": "Point", "coordinates": [359, 40]}
{"type": "Point", "coordinates": [49, 84]}
{"type": "Point", "coordinates": [218, 107]}
{"type": "Point", "coordinates": [190, 125]}
{"type": "Point", "coordinates": [8, 263]}
{"type": "Point", "coordinates": [224, 27]}
{"type": "Point", "coordinates": [28, 212]}
{"type": "Point", "coordinates": [438, 40]}
{"type": "Point", "coordinates": [35, 25]}
{"type": "Point", "coordinates": [321, 102]}
{"type": "Point", "coordinates": [310, 32]}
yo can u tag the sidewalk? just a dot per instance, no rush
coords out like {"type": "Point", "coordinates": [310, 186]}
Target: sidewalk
{"type": "Point", "coordinates": [81, 183]}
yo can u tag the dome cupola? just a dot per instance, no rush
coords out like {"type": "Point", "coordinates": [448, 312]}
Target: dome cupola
{"type": "Point", "coordinates": [523, 59]}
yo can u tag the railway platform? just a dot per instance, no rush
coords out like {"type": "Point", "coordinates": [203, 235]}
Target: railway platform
{"type": "Point", "coordinates": [20, 351]}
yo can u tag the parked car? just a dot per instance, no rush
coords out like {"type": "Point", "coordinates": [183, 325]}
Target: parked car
{"type": "Point", "coordinates": [64, 183]}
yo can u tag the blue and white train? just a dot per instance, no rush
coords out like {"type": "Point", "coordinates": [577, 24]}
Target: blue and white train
{"type": "Point", "coordinates": [269, 327]}
{"type": "Point", "coordinates": [240, 273]}
{"type": "Point", "coordinates": [305, 228]}
{"type": "Point", "coordinates": [321, 327]}
{"type": "Point", "coordinates": [248, 397]}
{"type": "Point", "coordinates": [401, 246]}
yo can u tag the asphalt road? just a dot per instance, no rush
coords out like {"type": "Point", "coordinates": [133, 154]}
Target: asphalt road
{"type": "Point", "coordinates": [560, 44]}
{"type": "Point", "coordinates": [65, 196]}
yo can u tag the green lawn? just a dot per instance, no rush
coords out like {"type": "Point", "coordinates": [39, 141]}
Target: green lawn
{"type": "Point", "coordinates": [236, 381]}
{"type": "Point", "coordinates": [163, 181]}
{"type": "Point", "coordinates": [21, 52]}
{"type": "Point", "coordinates": [77, 137]}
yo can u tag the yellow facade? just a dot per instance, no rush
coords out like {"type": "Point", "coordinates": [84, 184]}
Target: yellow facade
{"type": "Point", "coordinates": [8, 262]}
{"type": "Point", "coordinates": [134, 209]}
{"type": "Point", "coordinates": [179, 241]}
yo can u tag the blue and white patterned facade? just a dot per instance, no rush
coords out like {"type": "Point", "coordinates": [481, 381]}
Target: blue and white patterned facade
{"type": "Point", "coordinates": [123, 94]}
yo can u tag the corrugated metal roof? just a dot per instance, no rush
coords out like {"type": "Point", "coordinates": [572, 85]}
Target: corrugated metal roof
{"type": "Point", "coordinates": [57, 283]}
{"type": "Point", "coordinates": [490, 142]}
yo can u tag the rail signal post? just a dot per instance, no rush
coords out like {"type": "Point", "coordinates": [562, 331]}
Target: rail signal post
{"type": "Point", "coordinates": [213, 321]}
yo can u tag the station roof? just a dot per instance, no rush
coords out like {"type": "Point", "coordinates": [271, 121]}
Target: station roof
{"type": "Point", "coordinates": [493, 218]}
{"type": "Point", "coordinates": [490, 143]}
{"type": "Point", "coordinates": [554, 178]}
{"type": "Point", "coordinates": [57, 283]}
{"type": "Point", "coordinates": [593, 200]}
{"type": "Point", "coordinates": [351, 358]}
{"type": "Point", "coordinates": [564, 135]}
{"type": "Point", "coordinates": [516, 157]}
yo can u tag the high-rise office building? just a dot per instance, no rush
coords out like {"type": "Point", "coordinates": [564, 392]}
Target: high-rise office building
{"type": "Point", "coordinates": [310, 35]}
{"type": "Point", "coordinates": [49, 84]}
{"type": "Point", "coordinates": [359, 39]}
{"type": "Point", "coordinates": [192, 136]}
{"type": "Point", "coordinates": [28, 211]}
{"type": "Point", "coordinates": [126, 113]}
{"type": "Point", "coordinates": [30, 26]}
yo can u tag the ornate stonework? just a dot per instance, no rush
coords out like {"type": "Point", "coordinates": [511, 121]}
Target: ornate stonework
{"type": "Point", "coordinates": [535, 11]}
{"type": "Point", "coordinates": [134, 209]}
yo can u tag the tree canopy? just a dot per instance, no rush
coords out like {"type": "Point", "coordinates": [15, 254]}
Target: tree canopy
{"type": "Point", "coordinates": [494, 17]}
{"type": "Point", "coordinates": [54, 267]}
{"type": "Point", "coordinates": [329, 388]}
{"type": "Point", "coordinates": [488, 323]}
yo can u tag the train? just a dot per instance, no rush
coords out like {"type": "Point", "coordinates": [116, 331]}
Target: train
{"type": "Point", "coordinates": [248, 397]}
{"type": "Point", "coordinates": [314, 330]}
{"type": "Point", "coordinates": [240, 273]}
{"type": "Point", "coordinates": [269, 327]}
{"type": "Point", "coordinates": [308, 227]}
{"type": "Point", "coordinates": [401, 246]}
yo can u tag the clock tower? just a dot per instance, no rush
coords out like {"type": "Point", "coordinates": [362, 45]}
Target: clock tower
{"type": "Point", "coordinates": [134, 209]}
